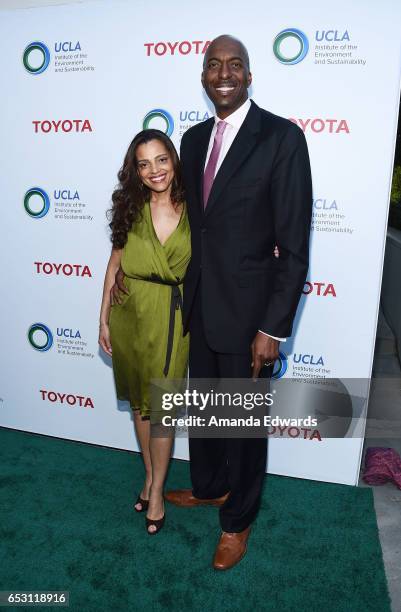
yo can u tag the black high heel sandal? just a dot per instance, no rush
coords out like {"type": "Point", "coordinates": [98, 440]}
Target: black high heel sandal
{"type": "Point", "coordinates": [144, 503]}
{"type": "Point", "coordinates": [157, 523]}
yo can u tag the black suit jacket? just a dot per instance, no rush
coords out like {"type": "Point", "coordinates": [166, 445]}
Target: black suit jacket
{"type": "Point", "coordinates": [261, 196]}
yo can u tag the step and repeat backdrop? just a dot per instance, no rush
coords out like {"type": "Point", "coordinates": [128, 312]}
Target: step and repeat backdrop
{"type": "Point", "coordinates": [78, 82]}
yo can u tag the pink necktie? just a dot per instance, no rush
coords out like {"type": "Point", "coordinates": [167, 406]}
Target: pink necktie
{"type": "Point", "coordinates": [208, 176]}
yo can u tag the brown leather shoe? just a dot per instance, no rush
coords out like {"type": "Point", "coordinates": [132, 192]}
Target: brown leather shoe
{"type": "Point", "coordinates": [230, 549]}
{"type": "Point", "coordinates": [185, 499]}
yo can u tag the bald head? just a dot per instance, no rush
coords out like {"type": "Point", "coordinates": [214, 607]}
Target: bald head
{"type": "Point", "coordinates": [225, 40]}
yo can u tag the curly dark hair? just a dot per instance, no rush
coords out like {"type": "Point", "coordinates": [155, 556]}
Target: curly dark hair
{"type": "Point", "coordinates": [131, 194]}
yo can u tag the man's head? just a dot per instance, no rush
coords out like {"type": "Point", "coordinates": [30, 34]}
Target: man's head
{"type": "Point", "coordinates": [226, 74]}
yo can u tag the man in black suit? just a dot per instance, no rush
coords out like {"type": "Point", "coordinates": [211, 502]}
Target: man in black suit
{"type": "Point", "coordinates": [248, 188]}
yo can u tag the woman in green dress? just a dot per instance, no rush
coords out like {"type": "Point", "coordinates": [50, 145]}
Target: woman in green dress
{"type": "Point", "coordinates": [143, 333]}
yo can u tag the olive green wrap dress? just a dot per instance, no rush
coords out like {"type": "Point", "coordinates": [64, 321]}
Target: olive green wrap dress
{"type": "Point", "coordinates": [146, 329]}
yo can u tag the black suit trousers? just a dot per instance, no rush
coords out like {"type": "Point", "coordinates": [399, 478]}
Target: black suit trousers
{"type": "Point", "coordinates": [219, 465]}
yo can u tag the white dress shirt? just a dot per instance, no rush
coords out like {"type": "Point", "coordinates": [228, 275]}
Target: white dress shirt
{"type": "Point", "coordinates": [234, 122]}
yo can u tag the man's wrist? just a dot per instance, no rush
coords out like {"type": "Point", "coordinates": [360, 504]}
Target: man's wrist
{"type": "Point", "coordinates": [270, 336]}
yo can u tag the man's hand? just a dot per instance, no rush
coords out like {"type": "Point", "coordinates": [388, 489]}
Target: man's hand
{"type": "Point", "coordinates": [115, 297]}
{"type": "Point", "coordinates": [264, 350]}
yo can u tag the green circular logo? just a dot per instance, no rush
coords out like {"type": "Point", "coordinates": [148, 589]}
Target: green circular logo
{"type": "Point", "coordinates": [159, 113]}
{"type": "Point", "coordinates": [40, 337]}
{"type": "Point", "coordinates": [298, 46]}
{"type": "Point", "coordinates": [36, 195]}
{"type": "Point", "coordinates": [36, 57]}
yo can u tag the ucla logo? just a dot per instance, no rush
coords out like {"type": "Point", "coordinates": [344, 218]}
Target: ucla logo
{"type": "Point", "coordinates": [66, 194]}
{"type": "Point", "coordinates": [308, 359]}
{"type": "Point", "coordinates": [67, 46]}
{"type": "Point", "coordinates": [154, 116]}
{"type": "Point", "coordinates": [40, 337]}
{"type": "Point", "coordinates": [331, 36]}
{"type": "Point", "coordinates": [280, 365]}
{"type": "Point", "coordinates": [36, 202]}
{"type": "Point", "coordinates": [194, 116]}
{"type": "Point", "coordinates": [36, 57]}
{"type": "Point", "coordinates": [68, 333]}
{"type": "Point", "coordinates": [324, 204]}
{"type": "Point", "coordinates": [290, 46]}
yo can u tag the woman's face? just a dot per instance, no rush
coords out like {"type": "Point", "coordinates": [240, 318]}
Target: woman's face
{"type": "Point", "coordinates": [155, 166]}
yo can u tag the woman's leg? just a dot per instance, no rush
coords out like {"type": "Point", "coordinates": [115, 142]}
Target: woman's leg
{"type": "Point", "coordinates": [142, 429]}
{"type": "Point", "coordinates": [160, 452]}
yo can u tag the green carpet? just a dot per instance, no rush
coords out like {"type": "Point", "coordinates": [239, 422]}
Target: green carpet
{"type": "Point", "coordinates": [67, 523]}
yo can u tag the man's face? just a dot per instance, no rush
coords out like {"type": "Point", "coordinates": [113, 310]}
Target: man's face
{"type": "Point", "coordinates": [226, 76]}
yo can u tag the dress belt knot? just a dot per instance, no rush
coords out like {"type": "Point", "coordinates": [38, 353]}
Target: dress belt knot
{"type": "Point", "coordinates": [175, 304]}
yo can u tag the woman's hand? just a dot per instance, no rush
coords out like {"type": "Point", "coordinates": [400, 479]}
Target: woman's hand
{"type": "Point", "coordinates": [104, 338]}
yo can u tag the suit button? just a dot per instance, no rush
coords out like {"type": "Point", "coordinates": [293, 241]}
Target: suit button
{"type": "Point", "coordinates": [203, 230]}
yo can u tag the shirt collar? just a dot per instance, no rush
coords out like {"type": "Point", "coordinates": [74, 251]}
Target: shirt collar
{"type": "Point", "coordinates": [236, 118]}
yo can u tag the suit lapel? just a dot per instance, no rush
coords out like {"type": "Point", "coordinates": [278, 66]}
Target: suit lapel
{"type": "Point", "coordinates": [240, 149]}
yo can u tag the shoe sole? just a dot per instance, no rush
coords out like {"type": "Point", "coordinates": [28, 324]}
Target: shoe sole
{"type": "Point", "coordinates": [200, 503]}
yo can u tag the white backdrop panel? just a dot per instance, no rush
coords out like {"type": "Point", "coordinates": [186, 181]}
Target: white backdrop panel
{"type": "Point", "coordinates": [131, 58]}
